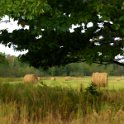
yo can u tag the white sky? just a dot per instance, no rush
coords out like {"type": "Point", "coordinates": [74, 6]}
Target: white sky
{"type": "Point", "coordinates": [9, 51]}
{"type": "Point", "coordinates": [10, 25]}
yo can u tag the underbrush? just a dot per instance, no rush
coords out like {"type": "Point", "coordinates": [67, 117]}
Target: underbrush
{"type": "Point", "coordinates": [20, 103]}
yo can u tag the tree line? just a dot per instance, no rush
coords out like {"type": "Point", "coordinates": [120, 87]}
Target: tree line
{"type": "Point", "coordinates": [10, 66]}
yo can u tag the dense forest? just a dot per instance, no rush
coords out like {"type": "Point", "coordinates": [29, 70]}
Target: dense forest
{"type": "Point", "coordinates": [10, 66]}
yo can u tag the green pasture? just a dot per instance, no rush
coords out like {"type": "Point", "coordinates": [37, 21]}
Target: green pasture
{"type": "Point", "coordinates": [114, 82]}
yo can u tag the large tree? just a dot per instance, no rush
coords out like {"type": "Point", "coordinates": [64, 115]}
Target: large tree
{"type": "Point", "coordinates": [49, 40]}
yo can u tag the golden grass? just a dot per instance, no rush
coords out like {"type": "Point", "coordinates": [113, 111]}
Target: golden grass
{"type": "Point", "coordinates": [9, 115]}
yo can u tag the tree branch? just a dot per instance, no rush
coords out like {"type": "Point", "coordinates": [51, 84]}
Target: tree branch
{"type": "Point", "coordinates": [118, 63]}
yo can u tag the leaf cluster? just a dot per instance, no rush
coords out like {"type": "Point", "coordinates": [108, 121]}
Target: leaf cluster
{"type": "Point", "coordinates": [49, 40]}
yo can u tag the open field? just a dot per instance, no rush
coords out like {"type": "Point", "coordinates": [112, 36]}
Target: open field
{"type": "Point", "coordinates": [114, 82]}
{"type": "Point", "coordinates": [76, 82]}
{"type": "Point", "coordinates": [61, 100]}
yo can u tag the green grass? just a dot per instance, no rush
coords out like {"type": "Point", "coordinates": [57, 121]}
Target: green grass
{"type": "Point", "coordinates": [114, 82]}
{"type": "Point", "coordinates": [69, 100]}
{"type": "Point", "coordinates": [75, 82]}
{"type": "Point", "coordinates": [11, 80]}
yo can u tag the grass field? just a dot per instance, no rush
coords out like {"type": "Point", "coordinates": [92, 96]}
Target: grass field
{"type": "Point", "coordinates": [114, 82]}
{"type": "Point", "coordinates": [76, 82]}
{"type": "Point", "coordinates": [60, 100]}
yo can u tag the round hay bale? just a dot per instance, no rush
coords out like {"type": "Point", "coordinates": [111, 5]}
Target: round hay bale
{"type": "Point", "coordinates": [30, 78]}
{"type": "Point", "coordinates": [100, 79]}
{"type": "Point", "coordinates": [52, 78]}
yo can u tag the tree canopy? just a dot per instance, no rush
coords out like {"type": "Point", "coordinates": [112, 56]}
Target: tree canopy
{"type": "Point", "coordinates": [49, 40]}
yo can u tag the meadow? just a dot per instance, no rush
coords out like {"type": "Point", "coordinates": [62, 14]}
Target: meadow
{"type": "Point", "coordinates": [114, 82]}
{"type": "Point", "coordinates": [61, 100]}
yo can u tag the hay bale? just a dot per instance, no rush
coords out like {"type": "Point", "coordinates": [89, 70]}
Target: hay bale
{"type": "Point", "coordinates": [30, 78]}
{"type": "Point", "coordinates": [39, 78]}
{"type": "Point", "coordinates": [100, 79]}
{"type": "Point", "coordinates": [67, 78]}
{"type": "Point", "coordinates": [52, 78]}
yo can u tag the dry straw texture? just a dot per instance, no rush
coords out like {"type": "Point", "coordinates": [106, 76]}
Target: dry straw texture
{"type": "Point", "coordinates": [30, 78]}
{"type": "Point", "coordinates": [53, 78]}
{"type": "Point", "coordinates": [100, 79]}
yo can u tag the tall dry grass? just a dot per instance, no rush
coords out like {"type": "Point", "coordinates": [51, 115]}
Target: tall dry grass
{"type": "Point", "coordinates": [31, 104]}
{"type": "Point", "coordinates": [9, 115]}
